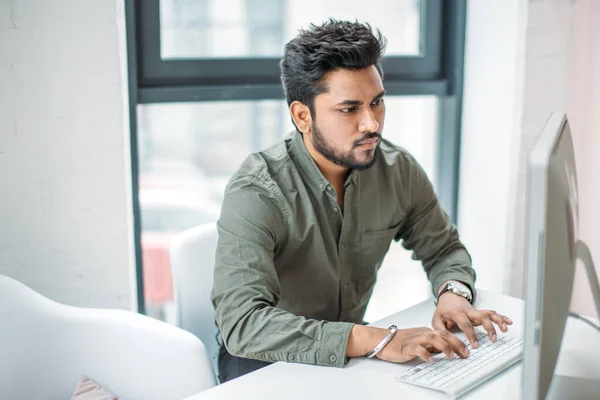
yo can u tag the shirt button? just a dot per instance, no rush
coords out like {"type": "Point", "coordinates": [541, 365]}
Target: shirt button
{"type": "Point", "coordinates": [335, 209]}
{"type": "Point", "coordinates": [291, 357]}
{"type": "Point", "coordinates": [332, 358]}
{"type": "Point", "coordinates": [343, 246]}
{"type": "Point", "coordinates": [329, 188]}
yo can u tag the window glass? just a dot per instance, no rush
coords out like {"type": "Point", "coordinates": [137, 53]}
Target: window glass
{"type": "Point", "coordinates": [196, 29]}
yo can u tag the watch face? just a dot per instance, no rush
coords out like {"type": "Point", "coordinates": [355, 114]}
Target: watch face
{"type": "Point", "coordinates": [459, 288]}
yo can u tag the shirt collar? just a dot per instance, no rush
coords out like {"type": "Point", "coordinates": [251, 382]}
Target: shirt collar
{"type": "Point", "coordinates": [308, 165]}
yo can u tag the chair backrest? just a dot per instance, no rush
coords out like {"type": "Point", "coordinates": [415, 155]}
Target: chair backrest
{"type": "Point", "coordinates": [192, 261]}
{"type": "Point", "coordinates": [46, 346]}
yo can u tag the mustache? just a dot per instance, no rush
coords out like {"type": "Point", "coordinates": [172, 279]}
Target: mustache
{"type": "Point", "coordinates": [368, 136]}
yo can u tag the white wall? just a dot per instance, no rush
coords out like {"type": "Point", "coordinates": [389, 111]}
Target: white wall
{"type": "Point", "coordinates": [65, 218]}
{"type": "Point", "coordinates": [525, 59]}
{"type": "Point", "coordinates": [493, 90]}
{"type": "Point", "coordinates": [549, 45]}
{"type": "Point", "coordinates": [563, 73]}
{"type": "Point", "coordinates": [584, 111]}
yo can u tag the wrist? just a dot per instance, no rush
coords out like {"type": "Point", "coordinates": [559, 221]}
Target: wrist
{"type": "Point", "coordinates": [443, 285]}
{"type": "Point", "coordinates": [457, 288]}
{"type": "Point", "coordinates": [449, 294]}
{"type": "Point", "coordinates": [392, 330]}
{"type": "Point", "coordinates": [363, 339]}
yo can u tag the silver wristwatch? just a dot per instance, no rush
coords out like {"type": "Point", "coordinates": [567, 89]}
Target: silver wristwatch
{"type": "Point", "coordinates": [457, 288]}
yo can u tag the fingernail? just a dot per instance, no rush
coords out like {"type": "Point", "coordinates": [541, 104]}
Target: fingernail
{"type": "Point", "coordinates": [467, 352]}
{"type": "Point", "coordinates": [476, 344]}
{"type": "Point", "coordinates": [509, 320]}
{"type": "Point", "coordinates": [430, 359]}
{"type": "Point", "coordinates": [494, 337]}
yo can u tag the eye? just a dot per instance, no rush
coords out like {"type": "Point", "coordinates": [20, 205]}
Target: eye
{"type": "Point", "coordinates": [347, 110]}
{"type": "Point", "coordinates": [377, 102]}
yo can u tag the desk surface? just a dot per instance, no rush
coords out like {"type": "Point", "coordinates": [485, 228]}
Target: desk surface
{"type": "Point", "coordinates": [363, 378]}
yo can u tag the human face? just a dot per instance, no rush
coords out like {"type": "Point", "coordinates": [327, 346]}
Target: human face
{"type": "Point", "coordinates": [349, 118]}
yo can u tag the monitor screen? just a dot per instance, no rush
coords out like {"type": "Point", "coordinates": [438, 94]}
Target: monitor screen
{"type": "Point", "coordinates": [550, 251]}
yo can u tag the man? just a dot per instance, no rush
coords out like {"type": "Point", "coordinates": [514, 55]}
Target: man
{"type": "Point", "coordinates": [305, 224]}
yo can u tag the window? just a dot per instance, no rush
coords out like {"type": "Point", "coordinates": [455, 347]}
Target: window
{"type": "Point", "coordinates": [206, 93]}
{"type": "Point", "coordinates": [199, 29]}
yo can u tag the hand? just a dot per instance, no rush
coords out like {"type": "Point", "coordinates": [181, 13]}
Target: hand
{"type": "Point", "coordinates": [456, 310]}
{"type": "Point", "coordinates": [421, 342]}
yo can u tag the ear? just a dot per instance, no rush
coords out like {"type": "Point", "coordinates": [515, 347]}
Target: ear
{"type": "Point", "coordinates": [301, 116]}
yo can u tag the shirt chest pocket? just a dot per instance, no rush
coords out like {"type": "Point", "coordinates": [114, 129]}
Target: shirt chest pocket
{"type": "Point", "coordinates": [374, 246]}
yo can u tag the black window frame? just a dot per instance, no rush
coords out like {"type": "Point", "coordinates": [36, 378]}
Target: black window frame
{"type": "Point", "coordinates": [437, 70]}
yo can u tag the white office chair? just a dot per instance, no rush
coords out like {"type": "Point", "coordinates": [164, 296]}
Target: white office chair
{"type": "Point", "coordinates": [192, 261]}
{"type": "Point", "coordinates": [46, 346]}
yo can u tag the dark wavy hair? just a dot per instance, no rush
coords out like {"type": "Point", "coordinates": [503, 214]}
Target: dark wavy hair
{"type": "Point", "coordinates": [321, 49]}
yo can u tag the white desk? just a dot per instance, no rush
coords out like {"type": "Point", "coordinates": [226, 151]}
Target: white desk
{"type": "Point", "coordinates": [364, 379]}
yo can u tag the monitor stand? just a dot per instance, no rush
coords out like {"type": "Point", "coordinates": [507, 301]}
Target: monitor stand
{"type": "Point", "coordinates": [583, 253]}
{"type": "Point", "coordinates": [571, 387]}
{"type": "Point", "coordinates": [562, 387]}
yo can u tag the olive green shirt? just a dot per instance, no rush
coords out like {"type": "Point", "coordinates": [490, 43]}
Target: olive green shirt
{"type": "Point", "coordinates": [293, 273]}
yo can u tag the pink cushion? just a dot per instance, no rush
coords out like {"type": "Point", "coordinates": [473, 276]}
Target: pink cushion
{"type": "Point", "coordinates": [87, 389]}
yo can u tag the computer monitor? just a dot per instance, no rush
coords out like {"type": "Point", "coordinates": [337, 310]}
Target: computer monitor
{"type": "Point", "coordinates": [552, 247]}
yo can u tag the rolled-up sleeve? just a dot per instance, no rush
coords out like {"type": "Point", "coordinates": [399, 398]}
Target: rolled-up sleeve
{"type": "Point", "coordinates": [432, 237]}
{"type": "Point", "coordinates": [246, 287]}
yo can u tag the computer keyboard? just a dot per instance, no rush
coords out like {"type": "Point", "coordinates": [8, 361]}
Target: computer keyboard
{"type": "Point", "coordinates": [456, 376]}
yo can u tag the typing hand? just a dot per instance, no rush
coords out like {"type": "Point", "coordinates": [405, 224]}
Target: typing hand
{"type": "Point", "coordinates": [453, 310]}
{"type": "Point", "coordinates": [408, 344]}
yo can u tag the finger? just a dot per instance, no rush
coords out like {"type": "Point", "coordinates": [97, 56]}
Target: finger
{"type": "Point", "coordinates": [435, 340]}
{"type": "Point", "coordinates": [504, 320]}
{"type": "Point", "coordinates": [499, 320]}
{"type": "Point", "coordinates": [465, 325]}
{"type": "Point", "coordinates": [484, 320]}
{"type": "Point", "coordinates": [433, 350]}
{"type": "Point", "coordinates": [416, 350]}
{"type": "Point", "coordinates": [438, 323]}
{"type": "Point", "coordinates": [456, 345]}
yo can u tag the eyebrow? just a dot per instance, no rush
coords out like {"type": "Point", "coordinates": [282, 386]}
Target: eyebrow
{"type": "Point", "coordinates": [358, 102]}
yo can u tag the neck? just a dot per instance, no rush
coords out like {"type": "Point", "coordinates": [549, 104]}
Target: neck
{"type": "Point", "coordinates": [335, 174]}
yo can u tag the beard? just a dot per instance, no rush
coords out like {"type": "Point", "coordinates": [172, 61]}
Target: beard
{"type": "Point", "coordinates": [347, 160]}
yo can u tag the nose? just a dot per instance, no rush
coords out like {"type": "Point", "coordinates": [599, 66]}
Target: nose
{"type": "Point", "coordinates": [368, 123]}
